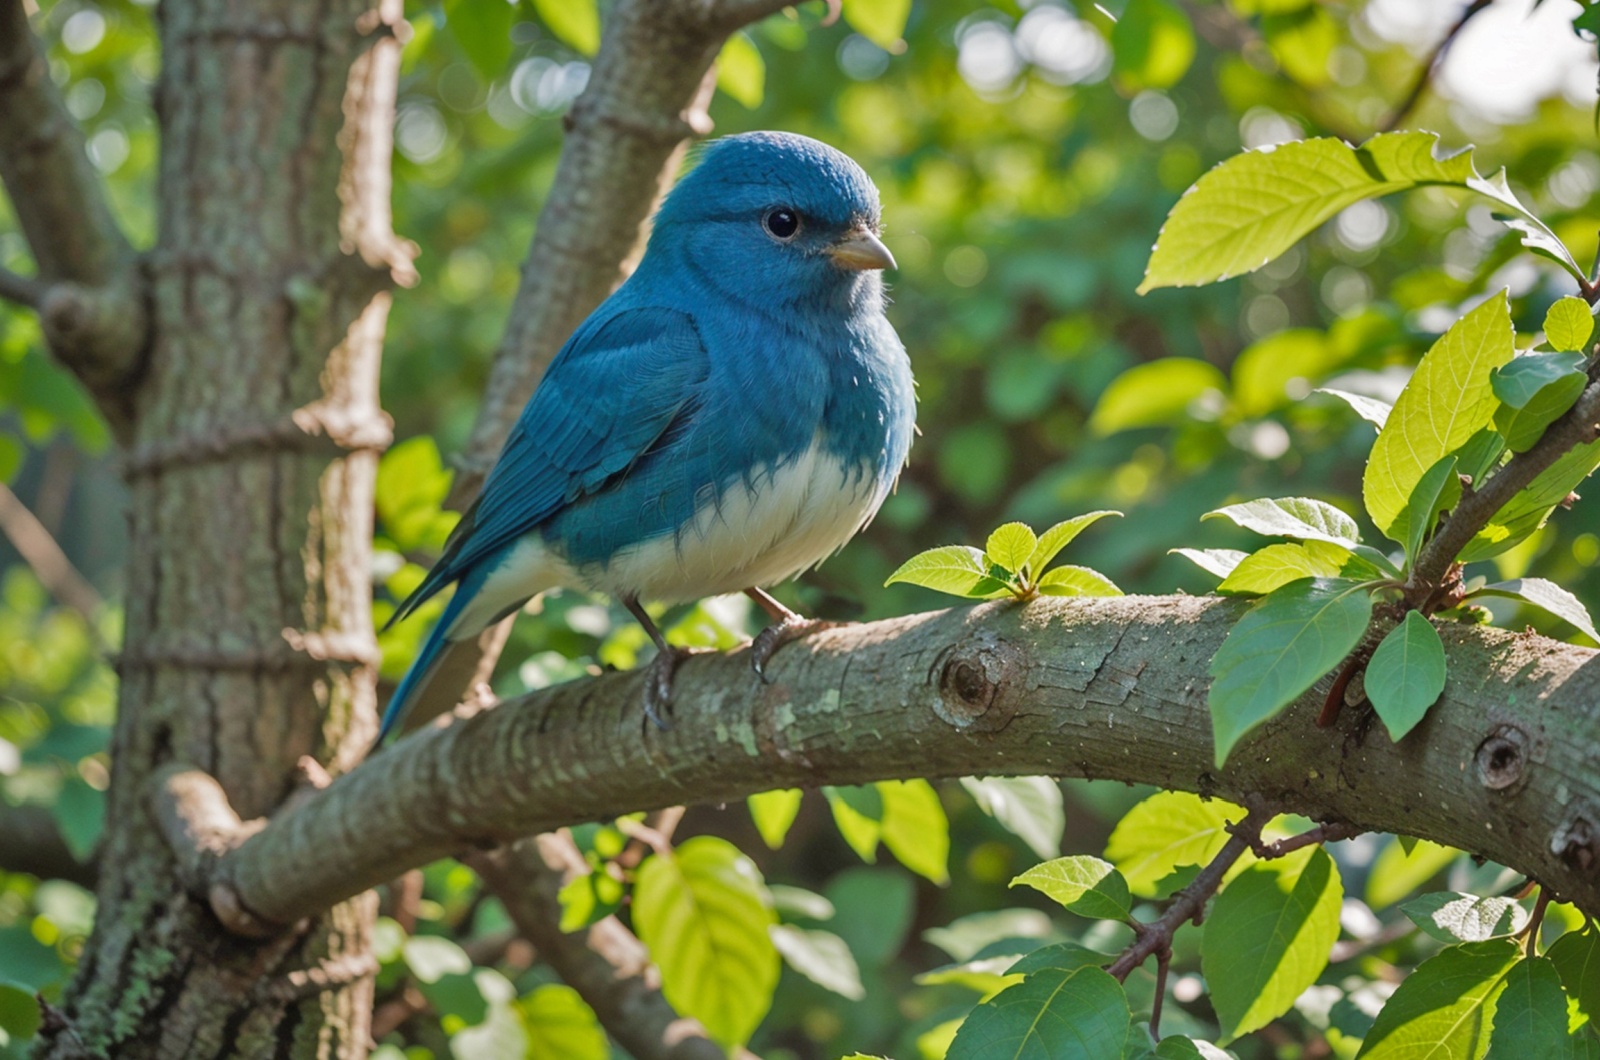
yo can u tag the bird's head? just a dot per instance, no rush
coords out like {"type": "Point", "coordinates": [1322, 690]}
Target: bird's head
{"type": "Point", "coordinates": [779, 220]}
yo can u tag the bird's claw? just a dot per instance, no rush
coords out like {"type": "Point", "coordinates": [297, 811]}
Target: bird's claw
{"type": "Point", "coordinates": [791, 628]}
{"type": "Point", "coordinates": [658, 683]}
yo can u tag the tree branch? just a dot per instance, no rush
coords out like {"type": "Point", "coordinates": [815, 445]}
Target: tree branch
{"type": "Point", "coordinates": [1502, 766]}
{"type": "Point", "coordinates": [92, 305]}
{"type": "Point", "coordinates": [40, 551]}
{"type": "Point", "coordinates": [30, 842]}
{"type": "Point", "coordinates": [1419, 85]}
{"type": "Point", "coordinates": [23, 290]}
{"type": "Point", "coordinates": [1578, 426]}
{"type": "Point", "coordinates": [606, 964]}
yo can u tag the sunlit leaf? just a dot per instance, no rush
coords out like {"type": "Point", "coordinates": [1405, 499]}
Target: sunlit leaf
{"type": "Point", "coordinates": [1397, 872]}
{"type": "Point", "coordinates": [1438, 490]}
{"type": "Point", "coordinates": [773, 813]}
{"type": "Point", "coordinates": [1029, 807]}
{"type": "Point", "coordinates": [1010, 546]}
{"type": "Point", "coordinates": [821, 957]}
{"type": "Point", "coordinates": [858, 814]}
{"type": "Point", "coordinates": [1059, 536]}
{"type": "Point", "coordinates": [1155, 394]}
{"type": "Point", "coordinates": [1265, 370]}
{"type": "Point", "coordinates": [1568, 323]}
{"type": "Point", "coordinates": [1053, 1014]}
{"type": "Point", "coordinates": [558, 1022]}
{"type": "Point", "coordinates": [1219, 561]}
{"type": "Point", "coordinates": [956, 569]}
{"type": "Point", "coordinates": [1546, 596]}
{"type": "Point", "coordinates": [1446, 1006]}
{"type": "Point", "coordinates": [576, 23]}
{"type": "Point", "coordinates": [1453, 917]}
{"type": "Point", "coordinates": [1165, 831]}
{"type": "Point", "coordinates": [1303, 518]}
{"type": "Point", "coordinates": [1576, 956]}
{"type": "Point", "coordinates": [1530, 1016]}
{"type": "Point", "coordinates": [1068, 580]}
{"type": "Point", "coordinates": [741, 72]}
{"type": "Point", "coordinates": [1082, 884]}
{"type": "Point", "coordinates": [880, 21]}
{"type": "Point", "coordinates": [1274, 566]}
{"type": "Point", "coordinates": [915, 828]}
{"type": "Point", "coordinates": [1152, 44]}
{"type": "Point", "coordinates": [1303, 41]}
{"type": "Point", "coordinates": [1370, 409]}
{"type": "Point", "coordinates": [1406, 674]}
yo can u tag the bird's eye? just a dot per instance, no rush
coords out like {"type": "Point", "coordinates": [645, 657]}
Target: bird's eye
{"type": "Point", "coordinates": [781, 223]}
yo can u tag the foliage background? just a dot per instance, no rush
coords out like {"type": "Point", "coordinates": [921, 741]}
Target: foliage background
{"type": "Point", "coordinates": [1027, 153]}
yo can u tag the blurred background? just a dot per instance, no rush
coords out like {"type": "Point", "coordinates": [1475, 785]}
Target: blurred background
{"type": "Point", "coordinates": [1027, 152]}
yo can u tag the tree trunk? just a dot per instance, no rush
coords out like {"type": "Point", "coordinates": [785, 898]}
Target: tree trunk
{"type": "Point", "coordinates": [249, 639]}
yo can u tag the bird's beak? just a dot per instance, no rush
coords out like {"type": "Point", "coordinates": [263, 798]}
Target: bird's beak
{"type": "Point", "coordinates": [860, 249]}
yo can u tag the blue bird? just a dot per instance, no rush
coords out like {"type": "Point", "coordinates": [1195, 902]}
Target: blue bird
{"type": "Point", "coordinates": [727, 419]}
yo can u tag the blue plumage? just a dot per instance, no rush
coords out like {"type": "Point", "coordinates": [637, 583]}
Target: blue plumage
{"type": "Point", "coordinates": [728, 418]}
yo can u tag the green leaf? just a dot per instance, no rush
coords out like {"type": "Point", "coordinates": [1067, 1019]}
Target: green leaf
{"type": "Point", "coordinates": [1061, 956]}
{"type": "Point", "coordinates": [1152, 45]}
{"type": "Point", "coordinates": [1254, 206]}
{"type": "Point", "coordinates": [1480, 455]}
{"type": "Point", "coordinates": [1011, 546]}
{"type": "Point", "coordinates": [1437, 490]}
{"type": "Point", "coordinates": [1536, 235]}
{"type": "Point", "coordinates": [431, 958]}
{"type": "Point", "coordinates": [483, 29]}
{"type": "Point", "coordinates": [576, 23]}
{"type": "Point", "coordinates": [587, 899]}
{"type": "Point", "coordinates": [1299, 517]}
{"type": "Point", "coordinates": [1530, 508]}
{"type": "Point", "coordinates": [1264, 371]}
{"type": "Point", "coordinates": [880, 21]}
{"type": "Point", "coordinates": [773, 813]}
{"type": "Point", "coordinates": [1370, 409]}
{"type": "Point", "coordinates": [1029, 807]}
{"type": "Point", "coordinates": [1178, 1047]}
{"type": "Point", "coordinates": [1059, 536]}
{"type": "Point", "coordinates": [1450, 916]}
{"type": "Point", "coordinates": [1274, 566]}
{"type": "Point", "coordinates": [915, 828]}
{"type": "Point", "coordinates": [1302, 42]}
{"type": "Point", "coordinates": [741, 72]}
{"type": "Point", "coordinates": [1068, 580]}
{"type": "Point", "coordinates": [1448, 400]}
{"type": "Point", "coordinates": [1576, 956]}
{"type": "Point", "coordinates": [1268, 936]}
{"type": "Point", "coordinates": [1155, 394]}
{"type": "Point", "coordinates": [1168, 830]}
{"type": "Point", "coordinates": [1446, 1006]}
{"type": "Point", "coordinates": [1530, 1016]}
{"type": "Point", "coordinates": [704, 913]}
{"type": "Point", "coordinates": [799, 902]}
{"type": "Point", "coordinates": [1546, 596]}
{"type": "Point", "coordinates": [1396, 872]}
{"type": "Point", "coordinates": [1535, 389]}
{"type": "Point", "coordinates": [558, 1022]}
{"type": "Point", "coordinates": [985, 975]}
{"type": "Point", "coordinates": [1568, 324]}
{"type": "Point", "coordinates": [19, 1012]}
{"type": "Point", "coordinates": [820, 956]}
{"type": "Point", "coordinates": [1053, 1014]}
{"type": "Point", "coordinates": [1219, 561]}
{"type": "Point", "coordinates": [1406, 674]}
{"type": "Point", "coordinates": [1083, 885]}
{"type": "Point", "coordinates": [1282, 645]}
{"type": "Point", "coordinates": [956, 569]}
{"type": "Point", "coordinates": [858, 814]}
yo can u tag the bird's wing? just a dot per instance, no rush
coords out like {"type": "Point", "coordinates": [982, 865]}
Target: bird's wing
{"type": "Point", "coordinates": [618, 385]}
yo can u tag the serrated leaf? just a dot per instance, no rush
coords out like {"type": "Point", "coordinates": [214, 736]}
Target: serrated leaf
{"type": "Point", "coordinates": [956, 569]}
{"type": "Point", "coordinates": [1282, 645]}
{"type": "Point", "coordinates": [1031, 808]}
{"type": "Point", "coordinates": [558, 1022]}
{"type": "Point", "coordinates": [1011, 546]}
{"type": "Point", "coordinates": [880, 21]}
{"type": "Point", "coordinates": [741, 72]}
{"type": "Point", "coordinates": [1068, 580]}
{"type": "Point", "coordinates": [1576, 956]}
{"type": "Point", "coordinates": [1274, 566]}
{"type": "Point", "coordinates": [1303, 518]}
{"type": "Point", "coordinates": [1251, 208]}
{"type": "Point", "coordinates": [1370, 409]}
{"type": "Point", "coordinates": [703, 912]}
{"type": "Point", "coordinates": [1534, 390]}
{"type": "Point", "coordinates": [773, 812]}
{"type": "Point", "coordinates": [1268, 937]}
{"type": "Point", "coordinates": [1406, 674]}
{"type": "Point", "coordinates": [576, 23]}
{"type": "Point", "coordinates": [1059, 536]}
{"type": "Point", "coordinates": [1546, 596]}
{"type": "Point", "coordinates": [1084, 885]}
{"type": "Point", "coordinates": [1530, 1016]}
{"type": "Point", "coordinates": [1568, 324]}
{"type": "Point", "coordinates": [858, 814]}
{"type": "Point", "coordinates": [1152, 44]}
{"type": "Point", "coordinates": [1439, 489]}
{"type": "Point", "coordinates": [1446, 1006]}
{"type": "Point", "coordinates": [1448, 400]}
{"type": "Point", "coordinates": [1155, 394]}
{"type": "Point", "coordinates": [820, 956]}
{"type": "Point", "coordinates": [1218, 561]}
{"type": "Point", "coordinates": [1053, 1014]}
{"type": "Point", "coordinates": [915, 828]}
{"type": "Point", "coordinates": [1396, 871]}
{"type": "Point", "coordinates": [1165, 831]}
{"type": "Point", "coordinates": [1453, 917]}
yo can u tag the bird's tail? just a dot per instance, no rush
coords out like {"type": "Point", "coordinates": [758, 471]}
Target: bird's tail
{"type": "Point", "coordinates": [428, 658]}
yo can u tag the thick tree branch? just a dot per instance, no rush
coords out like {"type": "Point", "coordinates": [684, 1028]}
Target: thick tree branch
{"type": "Point", "coordinates": [606, 963]}
{"type": "Point", "coordinates": [1580, 425]}
{"type": "Point", "coordinates": [30, 842]}
{"type": "Point", "coordinates": [1502, 766]}
{"type": "Point", "coordinates": [92, 304]}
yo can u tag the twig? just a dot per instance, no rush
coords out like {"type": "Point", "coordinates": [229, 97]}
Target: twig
{"type": "Point", "coordinates": [23, 290]}
{"type": "Point", "coordinates": [1536, 921]}
{"type": "Point", "coordinates": [1419, 85]}
{"type": "Point", "coordinates": [1322, 833]}
{"type": "Point", "coordinates": [606, 964]}
{"type": "Point", "coordinates": [41, 552]}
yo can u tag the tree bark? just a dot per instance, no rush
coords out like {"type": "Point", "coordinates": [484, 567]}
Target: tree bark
{"type": "Point", "coordinates": [1503, 765]}
{"type": "Point", "coordinates": [249, 638]}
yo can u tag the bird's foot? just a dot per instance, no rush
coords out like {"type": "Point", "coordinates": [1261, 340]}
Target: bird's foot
{"type": "Point", "coordinates": [789, 628]}
{"type": "Point", "coordinates": [658, 682]}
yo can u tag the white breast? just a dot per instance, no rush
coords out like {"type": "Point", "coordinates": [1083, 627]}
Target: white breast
{"type": "Point", "coordinates": [791, 518]}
